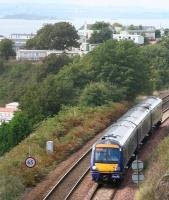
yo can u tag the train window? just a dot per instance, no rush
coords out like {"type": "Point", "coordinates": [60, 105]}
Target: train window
{"type": "Point", "coordinates": [107, 155]}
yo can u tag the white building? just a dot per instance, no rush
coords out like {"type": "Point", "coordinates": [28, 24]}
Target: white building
{"type": "Point", "coordinates": [20, 39]}
{"type": "Point", "coordinates": [36, 55]}
{"type": "Point", "coordinates": [23, 54]}
{"type": "Point", "coordinates": [138, 39]}
{"type": "Point", "coordinates": [150, 34]}
{"type": "Point", "coordinates": [13, 105]}
{"type": "Point", "coordinates": [7, 112]}
{"type": "Point", "coordinates": [85, 33]}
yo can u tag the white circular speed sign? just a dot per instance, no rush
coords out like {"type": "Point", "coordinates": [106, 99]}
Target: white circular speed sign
{"type": "Point", "coordinates": [30, 162]}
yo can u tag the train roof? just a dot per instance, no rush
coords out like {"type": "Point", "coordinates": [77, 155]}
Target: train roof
{"type": "Point", "coordinates": [120, 131]}
{"type": "Point", "coordinates": [135, 115]}
{"type": "Point", "coordinates": [150, 102]}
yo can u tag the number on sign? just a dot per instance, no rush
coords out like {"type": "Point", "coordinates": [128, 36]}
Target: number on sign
{"type": "Point", "coordinates": [30, 162]}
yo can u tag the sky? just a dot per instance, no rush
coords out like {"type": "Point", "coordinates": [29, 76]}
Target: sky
{"type": "Point", "coordinates": [145, 12]}
{"type": "Point", "coordinates": [147, 4]}
{"type": "Point", "coordinates": [64, 9]}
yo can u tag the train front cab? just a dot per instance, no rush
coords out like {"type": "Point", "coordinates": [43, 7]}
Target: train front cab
{"type": "Point", "coordinates": [106, 163]}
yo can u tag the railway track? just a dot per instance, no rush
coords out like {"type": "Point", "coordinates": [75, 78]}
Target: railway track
{"type": "Point", "coordinates": [99, 190]}
{"type": "Point", "coordinates": [165, 103]}
{"type": "Point", "coordinates": [67, 185]}
{"type": "Point", "coordinates": [106, 193]}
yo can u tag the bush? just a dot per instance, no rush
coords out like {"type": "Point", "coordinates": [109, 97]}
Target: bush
{"type": "Point", "coordinates": [95, 94]}
{"type": "Point", "coordinates": [10, 187]}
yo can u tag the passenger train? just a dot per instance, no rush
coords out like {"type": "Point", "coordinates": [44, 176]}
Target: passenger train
{"type": "Point", "coordinates": [112, 153]}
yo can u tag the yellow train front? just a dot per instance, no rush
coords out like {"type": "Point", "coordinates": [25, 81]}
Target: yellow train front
{"type": "Point", "coordinates": [106, 162]}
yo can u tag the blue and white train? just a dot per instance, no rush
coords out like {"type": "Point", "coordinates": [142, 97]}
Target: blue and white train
{"type": "Point", "coordinates": [112, 153]}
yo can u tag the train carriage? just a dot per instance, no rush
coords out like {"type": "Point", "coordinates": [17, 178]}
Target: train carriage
{"type": "Point", "coordinates": [112, 152]}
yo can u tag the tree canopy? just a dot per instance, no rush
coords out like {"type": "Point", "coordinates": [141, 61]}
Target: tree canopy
{"type": "Point", "coordinates": [6, 48]}
{"type": "Point", "coordinates": [102, 32]}
{"type": "Point", "coordinates": [60, 36]}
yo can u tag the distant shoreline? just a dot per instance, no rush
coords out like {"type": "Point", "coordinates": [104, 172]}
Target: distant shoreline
{"type": "Point", "coordinates": [22, 16]}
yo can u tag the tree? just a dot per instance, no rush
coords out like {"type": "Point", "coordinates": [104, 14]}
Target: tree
{"type": "Point", "coordinates": [6, 48]}
{"type": "Point", "coordinates": [157, 33]}
{"type": "Point", "coordinates": [102, 32]}
{"type": "Point", "coordinates": [122, 65]}
{"type": "Point", "coordinates": [95, 94]}
{"type": "Point", "coordinates": [166, 32]}
{"type": "Point", "coordinates": [157, 59]}
{"type": "Point", "coordinates": [54, 62]}
{"type": "Point", "coordinates": [61, 35]}
{"type": "Point", "coordinates": [14, 132]}
{"type": "Point", "coordinates": [99, 93]}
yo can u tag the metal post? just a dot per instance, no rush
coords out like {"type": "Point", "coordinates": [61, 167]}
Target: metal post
{"type": "Point", "coordinates": [137, 158]}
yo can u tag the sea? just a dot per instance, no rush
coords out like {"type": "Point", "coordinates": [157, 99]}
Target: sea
{"type": "Point", "coordinates": [9, 26]}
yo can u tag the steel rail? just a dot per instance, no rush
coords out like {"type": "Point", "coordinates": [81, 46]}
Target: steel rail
{"type": "Point", "coordinates": [77, 184]}
{"type": "Point", "coordinates": [65, 175]}
{"type": "Point", "coordinates": [165, 97]}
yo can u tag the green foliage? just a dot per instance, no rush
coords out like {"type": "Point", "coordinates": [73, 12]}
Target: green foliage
{"type": "Point", "coordinates": [116, 24]}
{"type": "Point", "coordinates": [100, 25]}
{"type": "Point", "coordinates": [123, 65]}
{"type": "Point", "coordinates": [6, 48]}
{"type": "Point", "coordinates": [166, 32]}
{"type": "Point", "coordinates": [157, 58]}
{"type": "Point", "coordinates": [2, 65]}
{"type": "Point", "coordinates": [61, 35]}
{"type": "Point", "coordinates": [102, 32]}
{"type": "Point", "coordinates": [14, 132]}
{"type": "Point", "coordinates": [46, 99]}
{"type": "Point", "coordinates": [157, 33]}
{"type": "Point", "coordinates": [132, 27]}
{"type": "Point", "coordinates": [53, 63]}
{"type": "Point", "coordinates": [97, 94]}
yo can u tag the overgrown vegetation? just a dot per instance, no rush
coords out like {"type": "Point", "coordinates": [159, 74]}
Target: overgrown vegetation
{"type": "Point", "coordinates": [69, 130]}
{"type": "Point", "coordinates": [157, 175]}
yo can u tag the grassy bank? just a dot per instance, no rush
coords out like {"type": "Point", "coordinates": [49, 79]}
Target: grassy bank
{"type": "Point", "coordinates": [69, 130]}
{"type": "Point", "coordinates": [156, 184]}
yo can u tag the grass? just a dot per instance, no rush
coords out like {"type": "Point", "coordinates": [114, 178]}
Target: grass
{"type": "Point", "coordinates": [69, 130]}
{"type": "Point", "coordinates": [156, 184]}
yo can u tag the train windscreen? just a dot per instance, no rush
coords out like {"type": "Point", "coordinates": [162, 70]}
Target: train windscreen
{"type": "Point", "coordinates": [107, 155]}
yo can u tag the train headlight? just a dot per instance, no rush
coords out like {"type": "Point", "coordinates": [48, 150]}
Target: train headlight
{"type": "Point", "coordinates": [94, 167]}
{"type": "Point", "coordinates": [118, 168]}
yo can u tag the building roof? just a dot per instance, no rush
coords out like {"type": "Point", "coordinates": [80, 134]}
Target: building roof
{"type": "Point", "coordinates": [24, 34]}
{"type": "Point", "coordinates": [2, 109]}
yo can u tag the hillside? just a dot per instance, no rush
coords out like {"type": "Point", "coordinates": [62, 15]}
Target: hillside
{"type": "Point", "coordinates": [69, 100]}
{"type": "Point", "coordinates": [156, 181]}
